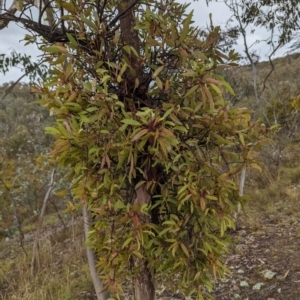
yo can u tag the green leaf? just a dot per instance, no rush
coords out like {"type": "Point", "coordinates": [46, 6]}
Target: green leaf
{"type": "Point", "coordinates": [186, 27]}
{"type": "Point", "coordinates": [123, 127]}
{"type": "Point", "coordinates": [73, 42]}
{"type": "Point", "coordinates": [140, 134]}
{"type": "Point", "coordinates": [84, 118]}
{"type": "Point", "coordinates": [122, 156]}
{"type": "Point", "coordinates": [241, 136]}
{"type": "Point", "coordinates": [124, 67]}
{"type": "Point", "coordinates": [228, 87]}
{"type": "Point", "coordinates": [216, 88]}
{"type": "Point", "coordinates": [131, 122]}
{"type": "Point", "coordinates": [190, 73]}
{"type": "Point", "coordinates": [180, 128]}
{"type": "Point", "coordinates": [105, 78]}
{"type": "Point", "coordinates": [159, 83]}
{"type": "Point", "coordinates": [139, 184]}
{"type": "Point", "coordinates": [127, 242]}
{"type": "Point", "coordinates": [146, 112]}
{"type": "Point", "coordinates": [255, 166]}
{"type": "Point", "coordinates": [170, 222]}
{"type": "Point", "coordinates": [184, 249]}
{"type": "Point", "coordinates": [157, 71]}
{"type": "Point", "coordinates": [137, 254]}
{"type": "Point", "coordinates": [163, 147]}
{"type": "Point", "coordinates": [91, 109]}
{"type": "Point", "coordinates": [91, 24]}
{"type": "Point", "coordinates": [167, 113]}
{"type": "Point", "coordinates": [52, 130]}
{"type": "Point", "coordinates": [182, 189]}
{"type": "Point", "coordinates": [191, 91]}
{"type": "Point", "coordinates": [55, 49]}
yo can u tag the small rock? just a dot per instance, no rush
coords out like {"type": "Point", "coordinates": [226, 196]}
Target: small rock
{"type": "Point", "coordinates": [268, 274]}
{"type": "Point", "coordinates": [257, 286]}
{"type": "Point", "coordinates": [244, 283]}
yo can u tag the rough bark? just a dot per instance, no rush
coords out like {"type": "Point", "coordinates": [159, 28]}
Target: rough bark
{"type": "Point", "coordinates": [144, 288]}
{"type": "Point", "coordinates": [130, 37]}
{"type": "Point", "coordinates": [143, 283]}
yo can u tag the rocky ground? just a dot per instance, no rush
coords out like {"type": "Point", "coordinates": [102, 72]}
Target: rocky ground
{"type": "Point", "coordinates": [265, 260]}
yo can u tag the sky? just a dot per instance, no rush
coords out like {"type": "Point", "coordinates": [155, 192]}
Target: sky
{"type": "Point", "coordinates": [11, 37]}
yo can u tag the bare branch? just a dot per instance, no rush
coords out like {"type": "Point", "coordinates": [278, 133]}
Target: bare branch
{"type": "Point", "coordinates": [45, 6]}
{"type": "Point", "coordinates": [11, 11]}
{"type": "Point", "coordinates": [271, 70]}
{"type": "Point", "coordinates": [11, 87]}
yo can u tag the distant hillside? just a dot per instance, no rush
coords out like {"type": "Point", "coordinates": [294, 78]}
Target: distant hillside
{"type": "Point", "coordinates": [283, 83]}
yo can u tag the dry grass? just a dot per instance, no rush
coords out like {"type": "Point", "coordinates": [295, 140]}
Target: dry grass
{"type": "Point", "coordinates": [276, 199]}
{"type": "Point", "coordinates": [63, 272]}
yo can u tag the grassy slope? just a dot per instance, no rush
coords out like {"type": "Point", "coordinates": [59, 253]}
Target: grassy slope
{"type": "Point", "coordinates": [63, 273]}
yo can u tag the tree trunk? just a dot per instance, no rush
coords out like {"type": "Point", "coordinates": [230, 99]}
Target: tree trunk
{"type": "Point", "coordinates": [241, 188]}
{"type": "Point", "coordinates": [35, 262]}
{"type": "Point", "coordinates": [98, 286]}
{"type": "Point", "coordinates": [242, 181]}
{"type": "Point", "coordinates": [143, 284]}
{"type": "Point", "coordinates": [144, 288]}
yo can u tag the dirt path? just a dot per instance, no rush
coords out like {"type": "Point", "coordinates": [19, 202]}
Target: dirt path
{"type": "Point", "coordinates": [265, 263]}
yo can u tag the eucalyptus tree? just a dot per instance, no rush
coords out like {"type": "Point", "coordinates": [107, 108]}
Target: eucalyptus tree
{"type": "Point", "coordinates": [152, 144]}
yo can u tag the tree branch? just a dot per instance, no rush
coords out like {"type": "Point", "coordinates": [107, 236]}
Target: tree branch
{"type": "Point", "coordinates": [11, 87]}
{"type": "Point", "coordinates": [11, 11]}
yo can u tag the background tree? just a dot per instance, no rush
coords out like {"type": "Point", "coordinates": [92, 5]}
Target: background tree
{"type": "Point", "coordinates": [274, 17]}
{"type": "Point", "coordinates": [24, 167]}
{"type": "Point", "coordinates": [279, 17]}
{"type": "Point", "coordinates": [152, 145]}
{"type": "Point", "coordinates": [33, 71]}
{"type": "Point", "coordinates": [271, 102]}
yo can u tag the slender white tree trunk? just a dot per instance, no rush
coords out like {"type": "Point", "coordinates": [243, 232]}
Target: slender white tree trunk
{"type": "Point", "coordinates": [91, 256]}
{"type": "Point", "coordinates": [35, 262]}
{"type": "Point", "coordinates": [241, 186]}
